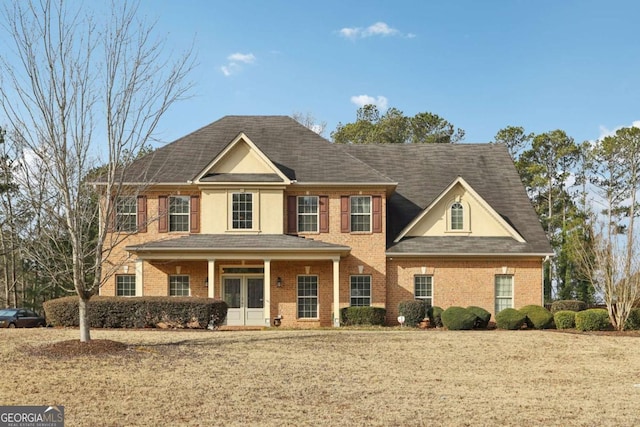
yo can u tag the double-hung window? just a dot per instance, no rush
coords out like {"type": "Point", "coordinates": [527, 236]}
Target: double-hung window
{"type": "Point", "coordinates": [307, 297]}
{"type": "Point", "coordinates": [360, 213]}
{"type": "Point", "coordinates": [126, 285]}
{"type": "Point", "coordinates": [424, 289]}
{"type": "Point", "coordinates": [308, 214]}
{"type": "Point", "coordinates": [360, 291]}
{"type": "Point", "coordinates": [179, 213]}
{"type": "Point", "coordinates": [242, 211]}
{"type": "Point", "coordinates": [126, 214]}
{"type": "Point", "coordinates": [179, 285]}
{"type": "Point", "coordinates": [504, 292]}
{"type": "Point", "coordinates": [457, 216]}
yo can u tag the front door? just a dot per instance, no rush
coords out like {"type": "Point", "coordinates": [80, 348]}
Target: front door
{"type": "Point", "coordinates": [245, 297]}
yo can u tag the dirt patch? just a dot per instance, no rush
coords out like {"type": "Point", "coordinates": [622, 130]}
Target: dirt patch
{"type": "Point", "coordinates": [75, 348]}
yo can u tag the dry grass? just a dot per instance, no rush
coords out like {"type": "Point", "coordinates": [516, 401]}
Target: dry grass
{"type": "Point", "coordinates": [330, 377]}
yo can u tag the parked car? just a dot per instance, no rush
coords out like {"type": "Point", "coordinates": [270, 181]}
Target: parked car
{"type": "Point", "coordinates": [20, 318]}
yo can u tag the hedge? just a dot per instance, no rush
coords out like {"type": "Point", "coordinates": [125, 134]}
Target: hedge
{"type": "Point", "coordinates": [413, 311]}
{"type": "Point", "coordinates": [435, 316]}
{"type": "Point", "coordinates": [633, 321]}
{"type": "Point", "coordinates": [510, 318]}
{"type": "Point", "coordinates": [594, 319]}
{"type": "Point", "coordinates": [538, 317]}
{"type": "Point", "coordinates": [363, 316]}
{"type": "Point", "coordinates": [565, 319]}
{"type": "Point", "coordinates": [568, 305]}
{"type": "Point", "coordinates": [458, 318]}
{"type": "Point", "coordinates": [139, 312]}
{"type": "Point", "coordinates": [482, 317]}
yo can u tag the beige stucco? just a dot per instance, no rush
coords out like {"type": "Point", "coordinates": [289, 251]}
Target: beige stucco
{"type": "Point", "coordinates": [479, 220]}
{"type": "Point", "coordinates": [241, 158]}
{"type": "Point", "coordinates": [267, 210]}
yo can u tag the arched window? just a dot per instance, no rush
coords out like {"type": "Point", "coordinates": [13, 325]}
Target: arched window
{"type": "Point", "coordinates": [457, 216]}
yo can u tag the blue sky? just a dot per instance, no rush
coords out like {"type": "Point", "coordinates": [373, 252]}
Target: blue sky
{"type": "Point", "coordinates": [482, 65]}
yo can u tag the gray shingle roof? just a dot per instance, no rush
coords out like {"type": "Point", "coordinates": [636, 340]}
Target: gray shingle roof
{"type": "Point", "coordinates": [298, 152]}
{"type": "Point", "coordinates": [423, 171]}
{"type": "Point", "coordinates": [460, 245]}
{"type": "Point", "coordinates": [238, 243]}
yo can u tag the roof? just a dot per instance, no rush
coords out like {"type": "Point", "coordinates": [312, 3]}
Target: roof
{"type": "Point", "coordinates": [461, 245]}
{"type": "Point", "coordinates": [423, 171]}
{"type": "Point", "coordinates": [299, 153]}
{"type": "Point", "coordinates": [238, 243]}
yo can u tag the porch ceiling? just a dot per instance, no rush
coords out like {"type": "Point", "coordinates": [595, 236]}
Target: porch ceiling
{"type": "Point", "coordinates": [249, 246]}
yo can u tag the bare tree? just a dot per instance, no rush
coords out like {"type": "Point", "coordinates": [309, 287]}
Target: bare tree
{"type": "Point", "coordinates": [80, 84]}
{"type": "Point", "coordinates": [308, 120]}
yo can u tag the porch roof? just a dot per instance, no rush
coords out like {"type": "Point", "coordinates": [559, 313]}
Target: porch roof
{"type": "Point", "coordinates": [254, 245]}
{"type": "Point", "coordinates": [463, 246]}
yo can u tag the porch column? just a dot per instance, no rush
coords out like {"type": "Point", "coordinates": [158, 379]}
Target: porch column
{"type": "Point", "coordinates": [211, 277]}
{"type": "Point", "coordinates": [336, 292]}
{"type": "Point", "coordinates": [139, 283]}
{"type": "Point", "coordinates": [267, 292]}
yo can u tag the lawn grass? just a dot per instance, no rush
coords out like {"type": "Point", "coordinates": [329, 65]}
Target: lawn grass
{"type": "Point", "coordinates": [330, 377]}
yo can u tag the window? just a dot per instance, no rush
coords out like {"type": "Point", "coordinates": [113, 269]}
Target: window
{"type": "Point", "coordinates": [360, 213]}
{"type": "Point", "coordinates": [126, 285]}
{"type": "Point", "coordinates": [360, 291]}
{"type": "Point", "coordinates": [307, 297]}
{"type": "Point", "coordinates": [457, 216]}
{"type": "Point", "coordinates": [308, 214]}
{"type": "Point", "coordinates": [179, 286]}
{"type": "Point", "coordinates": [424, 289]}
{"type": "Point", "coordinates": [126, 218]}
{"type": "Point", "coordinates": [504, 292]}
{"type": "Point", "coordinates": [179, 213]}
{"type": "Point", "coordinates": [242, 214]}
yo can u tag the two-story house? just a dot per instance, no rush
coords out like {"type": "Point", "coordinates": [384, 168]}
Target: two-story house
{"type": "Point", "coordinates": [282, 224]}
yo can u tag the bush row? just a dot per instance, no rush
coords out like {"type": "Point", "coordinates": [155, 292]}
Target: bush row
{"type": "Point", "coordinates": [139, 312]}
{"type": "Point", "coordinates": [363, 316]}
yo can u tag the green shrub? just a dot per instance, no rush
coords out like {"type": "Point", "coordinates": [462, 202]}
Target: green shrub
{"type": "Point", "coordinates": [482, 317]}
{"type": "Point", "coordinates": [363, 316]}
{"type": "Point", "coordinates": [568, 305]}
{"type": "Point", "coordinates": [458, 318]}
{"type": "Point", "coordinates": [510, 318]}
{"type": "Point", "coordinates": [413, 311]}
{"type": "Point", "coordinates": [435, 316]}
{"type": "Point", "coordinates": [538, 317]}
{"type": "Point", "coordinates": [139, 312]}
{"type": "Point", "coordinates": [633, 321]}
{"type": "Point", "coordinates": [565, 319]}
{"type": "Point", "coordinates": [593, 319]}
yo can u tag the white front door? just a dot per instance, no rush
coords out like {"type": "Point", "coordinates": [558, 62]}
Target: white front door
{"type": "Point", "coordinates": [245, 297]}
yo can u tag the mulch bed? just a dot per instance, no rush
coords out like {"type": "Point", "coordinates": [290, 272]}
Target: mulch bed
{"type": "Point", "coordinates": [75, 348]}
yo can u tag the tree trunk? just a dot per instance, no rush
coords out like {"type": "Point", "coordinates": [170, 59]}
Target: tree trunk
{"type": "Point", "coordinates": [83, 314]}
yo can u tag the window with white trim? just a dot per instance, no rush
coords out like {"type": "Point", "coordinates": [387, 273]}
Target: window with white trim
{"type": "Point", "coordinates": [457, 216]}
{"type": "Point", "coordinates": [308, 214]}
{"type": "Point", "coordinates": [242, 211]}
{"type": "Point", "coordinates": [179, 285]}
{"type": "Point", "coordinates": [126, 209]}
{"type": "Point", "coordinates": [360, 213]}
{"type": "Point", "coordinates": [360, 291]}
{"type": "Point", "coordinates": [126, 285]}
{"type": "Point", "coordinates": [504, 292]}
{"type": "Point", "coordinates": [179, 213]}
{"type": "Point", "coordinates": [423, 288]}
{"type": "Point", "coordinates": [307, 297]}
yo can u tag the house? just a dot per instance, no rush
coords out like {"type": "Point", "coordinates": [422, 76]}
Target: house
{"type": "Point", "coordinates": [282, 224]}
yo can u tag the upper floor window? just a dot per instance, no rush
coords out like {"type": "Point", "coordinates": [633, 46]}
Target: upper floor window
{"type": "Point", "coordinates": [179, 213]}
{"type": "Point", "coordinates": [126, 214]}
{"type": "Point", "coordinates": [308, 214]}
{"type": "Point", "coordinates": [242, 211]}
{"type": "Point", "coordinates": [424, 289]}
{"type": "Point", "coordinates": [457, 216]}
{"type": "Point", "coordinates": [360, 213]}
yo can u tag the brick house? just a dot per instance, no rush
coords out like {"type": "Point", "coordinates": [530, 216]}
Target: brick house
{"type": "Point", "coordinates": [289, 228]}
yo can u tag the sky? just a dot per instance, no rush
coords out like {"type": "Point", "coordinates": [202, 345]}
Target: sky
{"type": "Point", "coordinates": [482, 65]}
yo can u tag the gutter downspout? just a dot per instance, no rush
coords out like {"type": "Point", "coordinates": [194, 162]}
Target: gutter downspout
{"type": "Point", "coordinates": [544, 260]}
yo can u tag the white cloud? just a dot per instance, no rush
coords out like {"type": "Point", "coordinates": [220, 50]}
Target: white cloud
{"type": "Point", "coordinates": [235, 61]}
{"type": "Point", "coordinates": [361, 100]}
{"type": "Point", "coordinates": [604, 131]}
{"type": "Point", "coordinates": [377, 29]}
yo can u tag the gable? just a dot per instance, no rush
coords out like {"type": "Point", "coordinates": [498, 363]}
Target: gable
{"type": "Point", "coordinates": [241, 158]}
{"type": "Point", "coordinates": [476, 218]}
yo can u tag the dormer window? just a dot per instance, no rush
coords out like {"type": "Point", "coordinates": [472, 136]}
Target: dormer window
{"type": "Point", "coordinates": [457, 216]}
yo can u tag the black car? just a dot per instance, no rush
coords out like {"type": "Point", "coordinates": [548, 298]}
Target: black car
{"type": "Point", "coordinates": [20, 318]}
